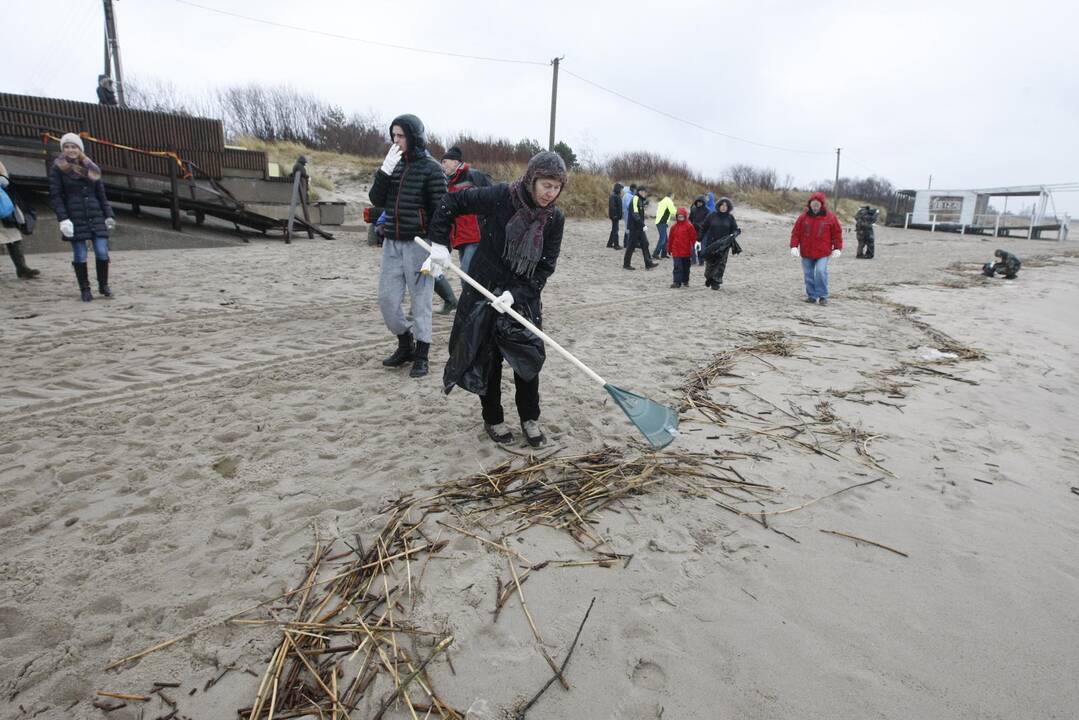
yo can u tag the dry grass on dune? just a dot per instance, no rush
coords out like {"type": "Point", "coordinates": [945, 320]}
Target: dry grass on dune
{"type": "Point", "coordinates": [585, 196]}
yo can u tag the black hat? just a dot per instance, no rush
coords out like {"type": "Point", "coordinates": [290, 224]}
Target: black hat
{"type": "Point", "coordinates": [454, 153]}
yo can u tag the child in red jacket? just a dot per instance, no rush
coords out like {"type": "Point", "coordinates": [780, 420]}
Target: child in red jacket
{"type": "Point", "coordinates": [680, 242]}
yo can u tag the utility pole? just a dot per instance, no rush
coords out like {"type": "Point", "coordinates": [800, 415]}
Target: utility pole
{"type": "Point", "coordinates": [835, 188]}
{"type": "Point", "coordinates": [554, 100]}
{"type": "Point", "coordinates": [112, 50]}
{"type": "Point", "coordinates": [930, 185]}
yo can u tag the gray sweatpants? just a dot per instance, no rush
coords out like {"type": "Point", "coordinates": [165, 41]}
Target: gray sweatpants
{"type": "Point", "coordinates": [401, 263]}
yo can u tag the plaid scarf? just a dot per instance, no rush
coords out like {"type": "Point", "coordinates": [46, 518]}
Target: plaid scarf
{"type": "Point", "coordinates": [524, 231]}
{"type": "Point", "coordinates": [83, 167]}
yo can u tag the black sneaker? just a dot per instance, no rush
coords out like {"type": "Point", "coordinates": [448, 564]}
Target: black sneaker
{"type": "Point", "coordinates": [811, 301]}
{"type": "Point", "coordinates": [823, 301]}
{"type": "Point", "coordinates": [500, 433]}
{"type": "Point", "coordinates": [676, 285]}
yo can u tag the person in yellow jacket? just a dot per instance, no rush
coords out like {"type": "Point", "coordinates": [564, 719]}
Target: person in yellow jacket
{"type": "Point", "coordinates": [665, 213]}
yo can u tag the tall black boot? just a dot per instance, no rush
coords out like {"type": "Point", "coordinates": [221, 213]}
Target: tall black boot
{"type": "Point", "coordinates": [445, 291]}
{"type": "Point", "coordinates": [419, 360]}
{"type": "Point", "coordinates": [15, 251]}
{"type": "Point", "coordinates": [103, 278]}
{"type": "Point", "coordinates": [84, 280]}
{"type": "Point", "coordinates": [403, 353]}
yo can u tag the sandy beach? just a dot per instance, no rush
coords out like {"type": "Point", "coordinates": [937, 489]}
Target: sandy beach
{"type": "Point", "coordinates": [172, 456]}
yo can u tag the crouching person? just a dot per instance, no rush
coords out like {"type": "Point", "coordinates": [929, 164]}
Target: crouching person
{"type": "Point", "coordinates": [1006, 264]}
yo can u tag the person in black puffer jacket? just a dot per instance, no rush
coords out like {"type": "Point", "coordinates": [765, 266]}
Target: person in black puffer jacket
{"type": "Point", "coordinates": [409, 186]}
{"type": "Point", "coordinates": [78, 197]}
{"type": "Point", "coordinates": [717, 228]}
{"type": "Point", "coordinates": [516, 256]}
{"type": "Point", "coordinates": [614, 212]}
{"type": "Point", "coordinates": [697, 215]}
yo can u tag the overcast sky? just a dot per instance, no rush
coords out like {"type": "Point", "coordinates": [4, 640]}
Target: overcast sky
{"type": "Point", "coordinates": [975, 93]}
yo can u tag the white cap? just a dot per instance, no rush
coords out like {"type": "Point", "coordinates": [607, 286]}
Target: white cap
{"type": "Point", "coordinates": [73, 139]}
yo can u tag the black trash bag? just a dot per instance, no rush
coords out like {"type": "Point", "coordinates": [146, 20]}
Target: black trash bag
{"type": "Point", "coordinates": [713, 249]}
{"type": "Point", "coordinates": [483, 329]}
{"type": "Point", "coordinates": [736, 249]}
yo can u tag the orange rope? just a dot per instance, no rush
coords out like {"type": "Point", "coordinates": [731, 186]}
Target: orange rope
{"type": "Point", "coordinates": [184, 171]}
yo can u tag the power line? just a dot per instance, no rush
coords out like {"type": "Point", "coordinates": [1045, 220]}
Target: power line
{"type": "Point", "coordinates": [365, 41]}
{"type": "Point", "coordinates": [690, 122]}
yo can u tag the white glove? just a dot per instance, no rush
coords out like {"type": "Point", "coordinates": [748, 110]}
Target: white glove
{"type": "Point", "coordinates": [697, 247]}
{"type": "Point", "coordinates": [795, 252]}
{"type": "Point", "coordinates": [3, 181]}
{"type": "Point", "coordinates": [392, 158]}
{"type": "Point", "coordinates": [110, 224]}
{"type": "Point", "coordinates": [440, 255]}
{"type": "Point", "coordinates": [503, 302]}
{"type": "Point", "coordinates": [836, 253]}
{"type": "Point", "coordinates": [67, 228]}
{"type": "Point", "coordinates": [431, 268]}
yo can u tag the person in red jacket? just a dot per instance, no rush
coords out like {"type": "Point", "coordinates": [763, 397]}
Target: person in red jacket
{"type": "Point", "coordinates": [465, 234]}
{"type": "Point", "coordinates": [816, 237]}
{"type": "Point", "coordinates": [680, 244]}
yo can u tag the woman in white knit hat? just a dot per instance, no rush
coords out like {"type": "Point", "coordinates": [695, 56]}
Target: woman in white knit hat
{"type": "Point", "coordinates": [78, 197]}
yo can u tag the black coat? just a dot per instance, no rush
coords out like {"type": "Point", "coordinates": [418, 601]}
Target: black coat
{"type": "Point", "coordinates": [717, 226]}
{"type": "Point", "coordinates": [490, 270]}
{"type": "Point", "coordinates": [635, 220]}
{"type": "Point", "coordinates": [698, 213]}
{"type": "Point", "coordinates": [1008, 264]}
{"type": "Point", "coordinates": [81, 200]}
{"type": "Point", "coordinates": [614, 206]}
{"type": "Point", "coordinates": [411, 194]}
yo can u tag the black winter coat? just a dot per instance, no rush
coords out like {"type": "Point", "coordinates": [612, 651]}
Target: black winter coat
{"type": "Point", "coordinates": [635, 220]}
{"type": "Point", "coordinates": [81, 200]}
{"type": "Point", "coordinates": [614, 206]}
{"type": "Point", "coordinates": [698, 213]}
{"type": "Point", "coordinates": [716, 227]}
{"type": "Point", "coordinates": [490, 270]}
{"type": "Point", "coordinates": [411, 194]}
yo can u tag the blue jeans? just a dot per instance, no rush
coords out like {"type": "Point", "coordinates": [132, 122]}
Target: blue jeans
{"type": "Point", "coordinates": [101, 248]}
{"type": "Point", "coordinates": [467, 251]}
{"type": "Point", "coordinates": [681, 270]}
{"type": "Point", "coordinates": [661, 244]}
{"type": "Point", "coordinates": [816, 277]}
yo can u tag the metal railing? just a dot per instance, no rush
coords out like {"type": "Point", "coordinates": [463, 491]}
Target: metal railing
{"type": "Point", "coordinates": [985, 221]}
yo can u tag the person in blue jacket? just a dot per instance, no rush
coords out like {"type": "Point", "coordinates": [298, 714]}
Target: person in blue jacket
{"type": "Point", "coordinates": [627, 197]}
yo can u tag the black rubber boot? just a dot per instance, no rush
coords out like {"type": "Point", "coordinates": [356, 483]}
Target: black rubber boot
{"type": "Point", "coordinates": [403, 354]}
{"type": "Point", "coordinates": [445, 291]}
{"type": "Point", "coordinates": [21, 270]}
{"type": "Point", "coordinates": [103, 278]}
{"type": "Point", "coordinates": [419, 360]}
{"type": "Point", "coordinates": [83, 278]}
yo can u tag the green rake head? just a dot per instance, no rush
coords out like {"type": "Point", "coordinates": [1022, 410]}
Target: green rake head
{"type": "Point", "coordinates": [658, 423]}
